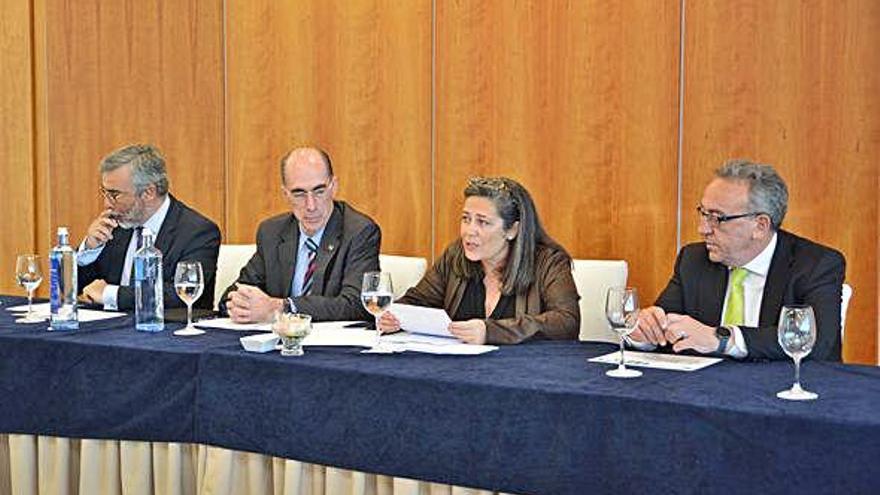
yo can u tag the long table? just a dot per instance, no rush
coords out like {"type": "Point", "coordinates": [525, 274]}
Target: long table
{"type": "Point", "coordinates": [532, 418]}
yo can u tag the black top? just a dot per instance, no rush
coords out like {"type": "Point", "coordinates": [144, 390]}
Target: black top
{"type": "Point", "coordinates": [473, 304]}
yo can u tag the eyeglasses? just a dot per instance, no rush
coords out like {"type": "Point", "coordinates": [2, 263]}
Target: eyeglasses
{"type": "Point", "coordinates": [299, 196]}
{"type": "Point", "coordinates": [715, 219]}
{"type": "Point", "coordinates": [111, 195]}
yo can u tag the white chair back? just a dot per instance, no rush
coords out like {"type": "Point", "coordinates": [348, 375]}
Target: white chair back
{"type": "Point", "coordinates": [845, 295]}
{"type": "Point", "coordinates": [230, 261]}
{"type": "Point", "coordinates": [593, 278]}
{"type": "Point", "coordinates": [405, 271]}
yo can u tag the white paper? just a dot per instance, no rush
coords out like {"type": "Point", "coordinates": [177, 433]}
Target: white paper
{"type": "Point", "coordinates": [42, 310]}
{"type": "Point", "coordinates": [674, 362]}
{"type": "Point", "coordinates": [418, 319]}
{"type": "Point", "coordinates": [432, 344]}
{"type": "Point", "coordinates": [227, 324]}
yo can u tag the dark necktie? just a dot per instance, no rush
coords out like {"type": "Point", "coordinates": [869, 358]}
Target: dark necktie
{"type": "Point", "coordinates": [139, 243]}
{"type": "Point", "coordinates": [313, 263]}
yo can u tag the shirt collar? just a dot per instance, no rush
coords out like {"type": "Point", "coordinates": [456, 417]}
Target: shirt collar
{"type": "Point", "coordinates": [760, 264]}
{"type": "Point", "coordinates": [154, 223]}
{"type": "Point", "coordinates": [317, 236]}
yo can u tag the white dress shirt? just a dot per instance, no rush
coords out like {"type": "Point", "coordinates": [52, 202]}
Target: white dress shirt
{"type": "Point", "coordinates": [753, 294]}
{"type": "Point", "coordinates": [88, 256]}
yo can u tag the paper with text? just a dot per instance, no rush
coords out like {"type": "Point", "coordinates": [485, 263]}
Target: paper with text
{"type": "Point", "coordinates": [658, 360]}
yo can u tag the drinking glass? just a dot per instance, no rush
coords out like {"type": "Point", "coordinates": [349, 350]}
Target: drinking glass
{"type": "Point", "coordinates": [293, 328]}
{"type": "Point", "coordinates": [189, 282]}
{"type": "Point", "coordinates": [376, 296]}
{"type": "Point", "coordinates": [797, 334]}
{"type": "Point", "coordinates": [29, 276]}
{"type": "Point", "coordinates": [622, 311]}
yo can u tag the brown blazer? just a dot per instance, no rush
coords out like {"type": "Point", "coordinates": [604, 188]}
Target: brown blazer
{"type": "Point", "coordinates": [549, 310]}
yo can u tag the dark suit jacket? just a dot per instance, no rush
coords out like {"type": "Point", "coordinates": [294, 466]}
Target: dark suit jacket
{"type": "Point", "coordinates": [801, 272]}
{"type": "Point", "coordinates": [548, 310]}
{"type": "Point", "coordinates": [349, 248]}
{"type": "Point", "coordinates": [185, 235]}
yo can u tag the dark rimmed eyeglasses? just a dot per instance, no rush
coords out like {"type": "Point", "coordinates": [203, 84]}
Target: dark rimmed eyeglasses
{"type": "Point", "coordinates": [714, 219]}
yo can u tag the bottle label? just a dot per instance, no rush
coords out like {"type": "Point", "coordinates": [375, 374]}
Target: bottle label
{"type": "Point", "coordinates": [55, 283]}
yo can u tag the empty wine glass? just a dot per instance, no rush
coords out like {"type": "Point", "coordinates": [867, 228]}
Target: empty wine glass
{"type": "Point", "coordinates": [376, 296]}
{"type": "Point", "coordinates": [189, 282]}
{"type": "Point", "coordinates": [29, 276]}
{"type": "Point", "coordinates": [797, 334]}
{"type": "Point", "coordinates": [622, 311]}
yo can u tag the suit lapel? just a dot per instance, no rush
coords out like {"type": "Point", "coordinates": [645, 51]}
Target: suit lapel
{"type": "Point", "coordinates": [287, 253]}
{"type": "Point", "coordinates": [713, 289]}
{"type": "Point", "coordinates": [168, 230]}
{"type": "Point", "coordinates": [116, 256]}
{"type": "Point", "coordinates": [777, 278]}
{"type": "Point", "coordinates": [327, 250]}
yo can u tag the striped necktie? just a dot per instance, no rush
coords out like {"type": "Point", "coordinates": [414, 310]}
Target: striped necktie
{"type": "Point", "coordinates": [736, 300]}
{"type": "Point", "coordinates": [313, 263]}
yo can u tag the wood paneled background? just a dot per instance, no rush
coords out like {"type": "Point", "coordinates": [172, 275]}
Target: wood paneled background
{"type": "Point", "coordinates": [588, 103]}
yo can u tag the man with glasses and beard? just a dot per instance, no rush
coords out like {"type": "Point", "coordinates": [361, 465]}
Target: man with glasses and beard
{"type": "Point", "coordinates": [312, 258]}
{"type": "Point", "coordinates": [726, 292]}
{"type": "Point", "coordinates": [134, 184]}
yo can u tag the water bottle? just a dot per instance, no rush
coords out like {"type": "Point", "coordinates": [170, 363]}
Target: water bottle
{"type": "Point", "coordinates": [149, 305]}
{"type": "Point", "coordinates": [63, 288]}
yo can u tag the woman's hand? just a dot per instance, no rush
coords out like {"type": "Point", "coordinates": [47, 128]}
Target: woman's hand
{"type": "Point", "coordinates": [470, 331]}
{"type": "Point", "coordinates": [388, 323]}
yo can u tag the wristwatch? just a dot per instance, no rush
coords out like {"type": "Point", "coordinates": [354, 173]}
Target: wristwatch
{"type": "Point", "coordinates": [723, 335]}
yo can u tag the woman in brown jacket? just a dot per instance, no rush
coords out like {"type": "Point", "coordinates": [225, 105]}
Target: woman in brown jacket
{"type": "Point", "coordinates": [505, 280]}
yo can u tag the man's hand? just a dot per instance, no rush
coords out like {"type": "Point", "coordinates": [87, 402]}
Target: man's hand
{"type": "Point", "coordinates": [101, 229]}
{"type": "Point", "coordinates": [652, 326]}
{"type": "Point", "coordinates": [94, 292]}
{"type": "Point", "coordinates": [688, 333]}
{"type": "Point", "coordinates": [470, 331]}
{"type": "Point", "coordinates": [249, 304]}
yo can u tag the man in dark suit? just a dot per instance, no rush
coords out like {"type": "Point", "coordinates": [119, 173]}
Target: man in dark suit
{"type": "Point", "coordinates": [134, 184]}
{"type": "Point", "coordinates": [313, 258]}
{"type": "Point", "coordinates": [726, 293]}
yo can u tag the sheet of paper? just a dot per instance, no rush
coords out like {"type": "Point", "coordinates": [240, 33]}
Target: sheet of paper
{"type": "Point", "coordinates": [432, 344]}
{"type": "Point", "coordinates": [85, 315]}
{"type": "Point", "coordinates": [658, 360]}
{"type": "Point", "coordinates": [227, 324]}
{"type": "Point", "coordinates": [418, 319]}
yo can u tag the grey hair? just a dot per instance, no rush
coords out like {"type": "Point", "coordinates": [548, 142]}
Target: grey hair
{"type": "Point", "coordinates": [768, 193]}
{"type": "Point", "coordinates": [147, 166]}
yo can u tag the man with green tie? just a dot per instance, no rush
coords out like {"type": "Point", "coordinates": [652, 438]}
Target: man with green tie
{"type": "Point", "coordinates": [726, 292]}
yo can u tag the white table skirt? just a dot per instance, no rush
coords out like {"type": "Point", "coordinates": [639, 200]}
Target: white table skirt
{"type": "Point", "coordinates": [40, 465]}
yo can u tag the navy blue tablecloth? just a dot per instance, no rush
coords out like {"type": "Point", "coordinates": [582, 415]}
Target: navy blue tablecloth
{"type": "Point", "coordinates": [532, 418]}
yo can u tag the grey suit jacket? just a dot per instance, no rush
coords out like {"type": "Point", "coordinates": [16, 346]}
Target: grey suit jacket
{"type": "Point", "coordinates": [349, 248]}
{"type": "Point", "coordinates": [801, 272]}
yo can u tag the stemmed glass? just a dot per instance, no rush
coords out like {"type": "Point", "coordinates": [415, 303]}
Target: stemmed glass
{"type": "Point", "coordinates": [293, 328]}
{"type": "Point", "coordinates": [622, 311]}
{"type": "Point", "coordinates": [376, 296]}
{"type": "Point", "coordinates": [189, 282]}
{"type": "Point", "coordinates": [797, 334]}
{"type": "Point", "coordinates": [29, 276]}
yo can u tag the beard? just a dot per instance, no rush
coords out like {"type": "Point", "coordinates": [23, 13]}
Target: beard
{"type": "Point", "coordinates": [133, 217]}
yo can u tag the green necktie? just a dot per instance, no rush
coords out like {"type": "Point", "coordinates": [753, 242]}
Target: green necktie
{"type": "Point", "coordinates": [736, 300]}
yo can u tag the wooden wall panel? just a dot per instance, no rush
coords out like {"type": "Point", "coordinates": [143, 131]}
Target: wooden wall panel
{"type": "Point", "coordinates": [351, 76]}
{"type": "Point", "coordinates": [16, 142]}
{"type": "Point", "coordinates": [131, 71]}
{"type": "Point", "coordinates": [794, 84]}
{"type": "Point", "coordinates": [578, 101]}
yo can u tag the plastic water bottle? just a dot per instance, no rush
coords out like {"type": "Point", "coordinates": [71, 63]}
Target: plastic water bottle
{"type": "Point", "coordinates": [149, 305]}
{"type": "Point", "coordinates": [63, 288]}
